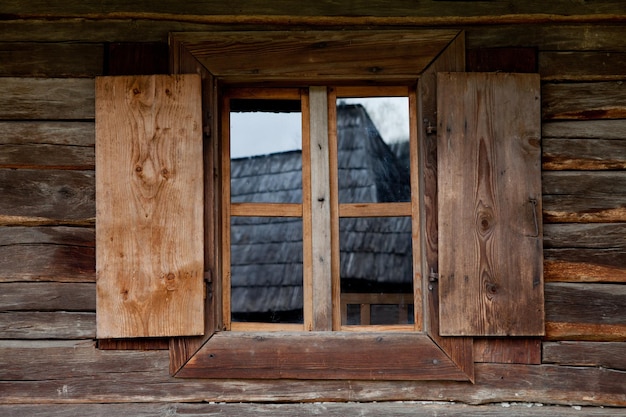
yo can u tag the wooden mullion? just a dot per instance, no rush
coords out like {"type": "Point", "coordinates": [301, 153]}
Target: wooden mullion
{"type": "Point", "coordinates": [266, 209]}
{"type": "Point", "coordinates": [320, 209]}
{"type": "Point", "coordinates": [375, 209]}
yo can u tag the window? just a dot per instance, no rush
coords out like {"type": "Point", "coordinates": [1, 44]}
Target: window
{"type": "Point", "coordinates": [364, 195]}
{"type": "Point", "coordinates": [482, 223]}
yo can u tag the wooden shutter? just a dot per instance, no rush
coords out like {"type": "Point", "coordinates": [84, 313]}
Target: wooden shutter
{"type": "Point", "coordinates": [489, 199]}
{"type": "Point", "coordinates": [149, 206]}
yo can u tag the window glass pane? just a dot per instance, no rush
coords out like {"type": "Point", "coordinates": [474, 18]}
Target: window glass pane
{"type": "Point", "coordinates": [266, 151]}
{"type": "Point", "coordinates": [376, 269]}
{"type": "Point", "coordinates": [266, 269]}
{"type": "Point", "coordinates": [373, 149]}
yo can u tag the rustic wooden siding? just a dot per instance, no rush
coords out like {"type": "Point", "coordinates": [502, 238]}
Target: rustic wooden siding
{"type": "Point", "coordinates": [48, 58]}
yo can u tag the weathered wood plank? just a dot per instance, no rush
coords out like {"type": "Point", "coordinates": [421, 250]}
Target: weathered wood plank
{"type": "Point", "coordinates": [28, 59]}
{"type": "Point", "coordinates": [583, 101]}
{"type": "Point", "coordinates": [150, 208]}
{"type": "Point", "coordinates": [47, 254]}
{"type": "Point", "coordinates": [606, 354]}
{"type": "Point", "coordinates": [592, 236]}
{"type": "Point", "coordinates": [47, 296]}
{"type": "Point", "coordinates": [549, 37]}
{"type": "Point", "coordinates": [582, 66]}
{"type": "Point", "coordinates": [47, 263]}
{"type": "Point", "coordinates": [584, 265]}
{"type": "Point", "coordinates": [495, 383]}
{"type": "Point", "coordinates": [583, 154]}
{"type": "Point", "coordinates": [140, 9]}
{"type": "Point", "coordinates": [584, 209]}
{"type": "Point", "coordinates": [589, 129]}
{"type": "Point", "coordinates": [80, 134]}
{"type": "Point", "coordinates": [408, 409]}
{"type": "Point", "coordinates": [47, 325]}
{"type": "Point", "coordinates": [507, 350]}
{"type": "Point", "coordinates": [47, 156]}
{"type": "Point", "coordinates": [53, 194]}
{"type": "Point", "coordinates": [584, 183]}
{"type": "Point", "coordinates": [585, 311]}
{"type": "Point", "coordinates": [488, 285]}
{"type": "Point", "coordinates": [47, 98]}
{"type": "Point", "coordinates": [32, 360]}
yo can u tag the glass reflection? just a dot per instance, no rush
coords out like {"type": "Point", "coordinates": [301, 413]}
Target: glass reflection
{"type": "Point", "coordinates": [373, 150]}
{"type": "Point", "coordinates": [265, 149]}
{"type": "Point", "coordinates": [266, 269]}
{"type": "Point", "coordinates": [376, 270]}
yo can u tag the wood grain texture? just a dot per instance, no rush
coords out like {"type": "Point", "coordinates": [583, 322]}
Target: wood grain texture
{"type": "Point", "coordinates": [47, 98]}
{"type": "Point", "coordinates": [322, 8]}
{"type": "Point", "coordinates": [408, 409]}
{"type": "Point", "coordinates": [583, 154]}
{"type": "Point", "coordinates": [320, 55]}
{"type": "Point", "coordinates": [584, 265]}
{"type": "Point", "coordinates": [585, 129]}
{"type": "Point", "coordinates": [582, 183]}
{"type": "Point", "coordinates": [51, 253]}
{"type": "Point", "coordinates": [47, 325]}
{"type": "Point", "coordinates": [149, 206]}
{"type": "Point", "coordinates": [593, 312]}
{"type": "Point", "coordinates": [321, 355]}
{"type": "Point", "coordinates": [54, 194]}
{"type": "Point", "coordinates": [490, 247]}
{"type": "Point", "coordinates": [320, 211]}
{"type": "Point", "coordinates": [84, 375]}
{"type": "Point", "coordinates": [508, 350]}
{"type": "Point", "coordinates": [47, 296]}
{"type": "Point", "coordinates": [29, 59]}
{"type": "Point", "coordinates": [606, 354]}
{"type": "Point", "coordinates": [582, 66]}
{"type": "Point", "coordinates": [583, 101]}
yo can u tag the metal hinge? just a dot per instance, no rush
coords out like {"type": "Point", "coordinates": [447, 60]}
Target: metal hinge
{"type": "Point", "coordinates": [208, 284]}
{"type": "Point", "coordinates": [432, 277]}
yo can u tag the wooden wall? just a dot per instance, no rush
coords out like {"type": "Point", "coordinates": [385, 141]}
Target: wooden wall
{"type": "Point", "coordinates": [48, 59]}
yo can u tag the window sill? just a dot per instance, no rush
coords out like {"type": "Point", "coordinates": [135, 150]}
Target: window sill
{"type": "Point", "coordinates": [323, 355]}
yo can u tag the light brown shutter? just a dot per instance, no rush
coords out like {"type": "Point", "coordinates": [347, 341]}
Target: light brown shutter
{"type": "Point", "coordinates": [149, 206]}
{"type": "Point", "coordinates": [489, 199]}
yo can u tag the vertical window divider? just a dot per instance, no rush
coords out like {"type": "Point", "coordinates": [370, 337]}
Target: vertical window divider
{"type": "Point", "coordinates": [320, 209]}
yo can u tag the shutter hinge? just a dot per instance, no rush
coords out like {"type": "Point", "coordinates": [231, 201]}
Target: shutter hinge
{"type": "Point", "coordinates": [432, 278]}
{"type": "Point", "coordinates": [430, 129]}
{"type": "Point", "coordinates": [208, 284]}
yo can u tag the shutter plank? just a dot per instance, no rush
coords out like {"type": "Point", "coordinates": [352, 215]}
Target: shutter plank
{"type": "Point", "coordinates": [490, 236]}
{"type": "Point", "coordinates": [149, 206]}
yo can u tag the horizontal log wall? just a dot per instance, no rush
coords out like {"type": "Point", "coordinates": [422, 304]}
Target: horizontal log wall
{"type": "Point", "coordinates": [48, 58]}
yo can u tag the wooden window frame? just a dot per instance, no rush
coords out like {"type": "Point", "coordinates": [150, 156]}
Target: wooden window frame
{"type": "Point", "coordinates": [407, 58]}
